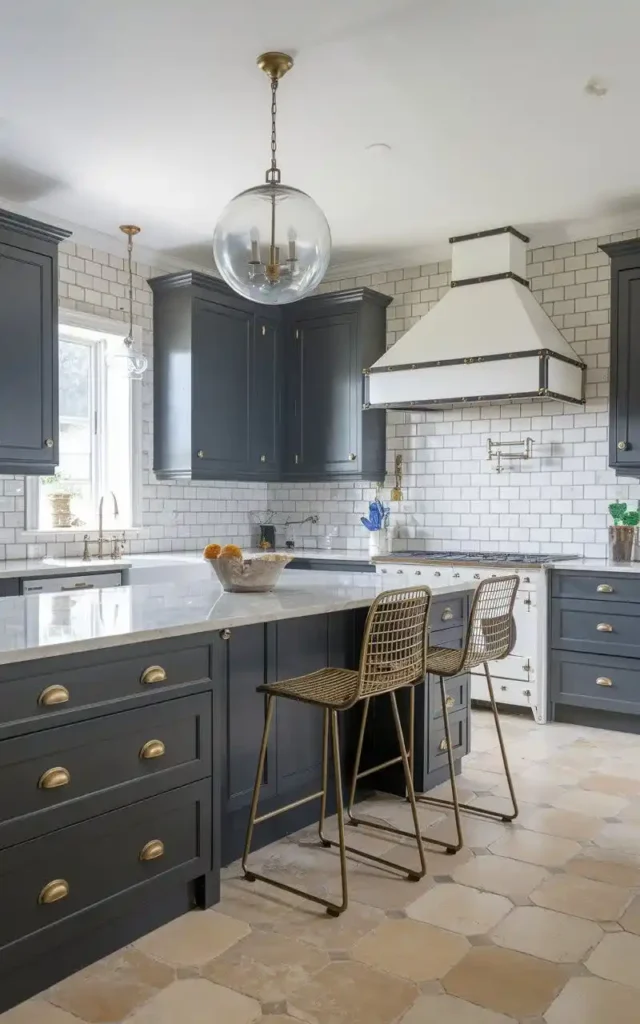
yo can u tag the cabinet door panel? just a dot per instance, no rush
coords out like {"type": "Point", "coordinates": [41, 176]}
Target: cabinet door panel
{"type": "Point", "coordinates": [625, 426]}
{"type": "Point", "coordinates": [28, 361]}
{"type": "Point", "coordinates": [302, 646]}
{"type": "Point", "coordinates": [265, 396]}
{"type": "Point", "coordinates": [221, 391]}
{"type": "Point", "coordinates": [329, 376]}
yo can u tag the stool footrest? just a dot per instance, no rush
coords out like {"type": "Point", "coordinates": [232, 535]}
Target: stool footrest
{"type": "Point", "coordinates": [472, 808]}
{"type": "Point", "coordinates": [379, 767]}
{"type": "Point", "coordinates": [289, 807]}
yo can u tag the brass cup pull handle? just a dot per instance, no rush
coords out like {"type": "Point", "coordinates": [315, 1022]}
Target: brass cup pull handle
{"type": "Point", "coordinates": [604, 588]}
{"type": "Point", "coordinates": [153, 674]}
{"type": "Point", "coordinates": [54, 891]}
{"type": "Point", "coordinates": [352, 456]}
{"type": "Point", "coordinates": [263, 458]}
{"type": "Point", "coordinates": [152, 850]}
{"type": "Point", "coordinates": [604, 627]}
{"type": "Point", "coordinates": [450, 701]}
{"type": "Point", "coordinates": [151, 749]}
{"type": "Point", "coordinates": [53, 695]}
{"type": "Point", "coordinates": [622, 446]}
{"type": "Point", "coordinates": [225, 634]}
{"type": "Point", "coordinates": [447, 615]}
{"type": "Point", "coordinates": [54, 778]}
{"type": "Point", "coordinates": [443, 745]}
{"type": "Point", "coordinates": [604, 681]}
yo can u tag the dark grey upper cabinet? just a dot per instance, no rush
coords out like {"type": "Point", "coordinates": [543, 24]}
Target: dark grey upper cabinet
{"type": "Point", "coordinates": [624, 407]}
{"type": "Point", "coordinates": [215, 365]}
{"type": "Point", "coordinates": [247, 392]}
{"type": "Point", "coordinates": [329, 435]}
{"type": "Point", "coordinates": [28, 344]}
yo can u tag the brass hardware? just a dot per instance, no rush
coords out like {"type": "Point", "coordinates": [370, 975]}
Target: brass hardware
{"type": "Point", "coordinates": [396, 492]}
{"type": "Point", "coordinates": [447, 615]}
{"type": "Point", "coordinates": [604, 627]}
{"type": "Point", "coordinates": [48, 442]}
{"type": "Point", "coordinates": [153, 674]}
{"type": "Point", "coordinates": [527, 601]}
{"type": "Point", "coordinates": [54, 891]}
{"type": "Point", "coordinates": [152, 749]}
{"type": "Point", "coordinates": [604, 588]}
{"type": "Point", "coordinates": [200, 453]}
{"type": "Point", "coordinates": [603, 681]}
{"type": "Point", "coordinates": [54, 778]}
{"type": "Point", "coordinates": [418, 572]}
{"type": "Point", "coordinates": [526, 579]}
{"type": "Point", "coordinates": [225, 634]}
{"type": "Point", "coordinates": [450, 701]}
{"type": "Point", "coordinates": [130, 229]}
{"type": "Point", "coordinates": [297, 334]}
{"type": "Point", "coordinates": [263, 458]}
{"type": "Point", "coordinates": [264, 330]}
{"type": "Point", "coordinates": [400, 572]}
{"type": "Point", "coordinates": [152, 850]}
{"type": "Point", "coordinates": [275, 64]}
{"type": "Point", "coordinates": [476, 575]}
{"type": "Point", "coordinates": [79, 586]}
{"type": "Point", "coordinates": [443, 745]}
{"type": "Point", "coordinates": [352, 456]}
{"type": "Point", "coordinates": [622, 446]}
{"type": "Point", "coordinates": [456, 575]}
{"type": "Point", "coordinates": [296, 459]}
{"type": "Point", "coordinates": [53, 695]}
{"type": "Point", "coordinates": [437, 573]}
{"type": "Point", "coordinates": [86, 554]}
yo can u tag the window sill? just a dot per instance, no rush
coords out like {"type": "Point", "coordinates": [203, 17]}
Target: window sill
{"type": "Point", "coordinates": [78, 533]}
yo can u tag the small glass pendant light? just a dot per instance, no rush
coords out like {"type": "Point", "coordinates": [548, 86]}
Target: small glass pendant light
{"type": "Point", "coordinates": [272, 243]}
{"type": "Point", "coordinates": [130, 359]}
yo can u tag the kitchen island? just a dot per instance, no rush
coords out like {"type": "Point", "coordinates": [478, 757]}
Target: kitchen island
{"type": "Point", "coordinates": [129, 734]}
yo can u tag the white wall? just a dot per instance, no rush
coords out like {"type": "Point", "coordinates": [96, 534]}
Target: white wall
{"type": "Point", "coordinates": [454, 499]}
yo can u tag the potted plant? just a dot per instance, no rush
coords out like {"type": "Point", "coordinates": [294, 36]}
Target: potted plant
{"type": "Point", "coordinates": [622, 534]}
{"type": "Point", "coordinates": [60, 494]}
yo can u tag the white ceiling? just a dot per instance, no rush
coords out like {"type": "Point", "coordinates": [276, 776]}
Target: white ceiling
{"type": "Point", "coordinates": [154, 111]}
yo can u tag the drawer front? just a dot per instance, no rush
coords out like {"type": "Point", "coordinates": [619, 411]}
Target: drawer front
{"type": "Point", "coordinates": [459, 726]}
{"type": "Point", "coordinates": [77, 867]}
{"type": "Point", "coordinates": [599, 586]}
{"type": "Point", "coordinates": [457, 698]}
{"type": "Point", "coordinates": [57, 776]}
{"type": "Point", "coordinates": [446, 612]}
{"type": "Point", "coordinates": [40, 698]}
{"type": "Point", "coordinates": [595, 627]}
{"type": "Point", "coordinates": [59, 584]}
{"type": "Point", "coordinates": [588, 681]}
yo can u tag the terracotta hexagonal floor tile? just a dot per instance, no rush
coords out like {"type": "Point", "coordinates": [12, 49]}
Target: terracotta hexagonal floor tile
{"type": "Point", "coordinates": [449, 1010]}
{"type": "Point", "coordinates": [501, 875]}
{"type": "Point", "coordinates": [582, 897]}
{"type": "Point", "coordinates": [198, 1002]}
{"type": "Point", "coordinates": [631, 918]}
{"type": "Point", "coordinates": [593, 1001]}
{"type": "Point", "coordinates": [411, 949]}
{"type": "Point", "coordinates": [589, 802]}
{"type": "Point", "coordinates": [617, 958]}
{"type": "Point", "coordinates": [266, 966]}
{"type": "Point", "coordinates": [459, 908]}
{"type": "Point", "coordinates": [563, 823]}
{"type": "Point", "coordinates": [506, 981]}
{"type": "Point", "coordinates": [37, 1011]}
{"type": "Point", "coordinates": [536, 848]}
{"type": "Point", "coordinates": [616, 785]}
{"type": "Point", "coordinates": [546, 934]}
{"type": "Point", "coordinates": [112, 988]}
{"type": "Point", "coordinates": [600, 865]}
{"type": "Point", "coordinates": [194, 938]}
{"type": "Point", "coordinates": [350, 993]}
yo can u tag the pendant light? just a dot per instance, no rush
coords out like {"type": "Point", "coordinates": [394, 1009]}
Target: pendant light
{"type": "Point", "coordinates": [131, 360]}
{"type": "Point", "coordinates": [272, 243]}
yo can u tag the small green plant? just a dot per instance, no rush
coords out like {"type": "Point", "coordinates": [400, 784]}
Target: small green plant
{"type": "Point", "coordinates": [60, 484]}
{"type": "Point", "coordinates": [622, 516]}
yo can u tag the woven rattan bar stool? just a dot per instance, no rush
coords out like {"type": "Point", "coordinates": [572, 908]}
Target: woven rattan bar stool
{"type": "Point", "coordinates": [490, 637]}
{"type": "Point", "coordinates": [393, 655]}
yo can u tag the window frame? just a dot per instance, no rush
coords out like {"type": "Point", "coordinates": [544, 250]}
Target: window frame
{"type": "Point", "coordinates": [114, 328]}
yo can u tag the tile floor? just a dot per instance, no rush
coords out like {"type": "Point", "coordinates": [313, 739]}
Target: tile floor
{"type": "Point", "coordinates": [536, 922]}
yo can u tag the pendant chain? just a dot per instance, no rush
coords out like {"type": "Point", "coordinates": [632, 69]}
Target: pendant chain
{"type": "Point", "coordinates": [273, 174]}
{"type": "Point", "coordinates": [129, 340]}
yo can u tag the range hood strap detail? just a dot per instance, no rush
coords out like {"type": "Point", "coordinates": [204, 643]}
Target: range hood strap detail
{"type": "Point", "coordinates": [491, 277]}
{"type": "Point", "coordinates": [487, 234]}
{"type": "Point", "coordinates": [497, 357]}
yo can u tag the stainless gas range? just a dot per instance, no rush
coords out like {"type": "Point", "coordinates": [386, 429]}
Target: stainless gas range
{"type": "Point", "coordinates": [519, 679]}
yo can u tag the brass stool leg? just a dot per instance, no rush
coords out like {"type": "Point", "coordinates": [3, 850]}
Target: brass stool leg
{"type": "Point", "coordinates": [422, 797]}
{"type": "Point", "coordinates": [325, 776]}
{"type": "Point", "coordinates": [409, 783]}
{"type": "Point", "coordinates": [256, 788]}
{"type": "Point", "coordinates": [356, 767]}
{"type": "Point", "coordinates": [452, 771]}
{"type": "Point", "coordinates": [335, 746]}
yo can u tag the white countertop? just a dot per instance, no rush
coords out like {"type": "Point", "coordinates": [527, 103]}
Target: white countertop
{"type": "Point", "coordinates": [595, 565]}
{"type": "Point", "coordinates": [337, 554]}
{"type": "Point", "coordinates": [42, 625]}
{"type": "Point", "coordinates": [21, 568]}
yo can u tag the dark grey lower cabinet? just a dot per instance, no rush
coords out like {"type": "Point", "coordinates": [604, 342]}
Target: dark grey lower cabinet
{"type": "Point", "coordinates": [9, 588]}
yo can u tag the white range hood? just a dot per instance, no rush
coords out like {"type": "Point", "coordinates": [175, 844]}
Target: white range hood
{"type": "Point", "coordinates": [487, 340]}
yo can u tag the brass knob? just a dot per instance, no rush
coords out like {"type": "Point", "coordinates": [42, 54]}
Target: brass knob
{"type": "Point", "coordinates": [400, 572]}
{"type": "Point", "coordinates": [476, 575]}
{"type": "Point", "coordinates": [604, 588]}
{"type": "Point", "coordinates": [54, 891]}
{"type": "Point", "coordinates": [352, 456]}
{"type": "Point", "coordinates": [622, 446]}
{"type": "Point", "coordinates": [151, 749]}
{"type": "Point", "coordinates": [603, 681]}
{"type": "Point", "coordinates": [53, 695]}
{"type": "Point", "coordinates": [604, 627]}
{"type": "Point", "coordinates": [263, 458]}
{"type": "Point", "coordinates": [450, 701]}
{"type": "Point", "coordinates": [225, 634]}
{"type": "Point", "coordinates": [456, 575]}
{"type": "Point", "coordinates": [48, 442]}
{"type": "Point", "coordinates": [437, 574]}
{"type": "Point", "coordinates": [152, 850]}
{"type": "Point", "coordinates": [443, 745]}
{"type": "Point", "coordinates": [54, 778]}
{"type": "Point", "coordinates": [153, 674]}
{"type": "Point", "coordinates": [296, 459]}
{"type": "Point", "coordinates": [447, 615]}
{"type": "Point", "coordinates": [418, 572]}
{"type": "Point", "coordinates": [200, 453]}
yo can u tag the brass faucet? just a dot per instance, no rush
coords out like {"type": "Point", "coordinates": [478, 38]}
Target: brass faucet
{"type": "Point", "coordinates": [116, 513]}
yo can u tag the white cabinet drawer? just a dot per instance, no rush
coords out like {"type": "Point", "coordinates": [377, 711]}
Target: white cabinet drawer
{"type": "Point", "coordinates": [398, 574]}
{"type": "Point", "coordinates": [59, 584]}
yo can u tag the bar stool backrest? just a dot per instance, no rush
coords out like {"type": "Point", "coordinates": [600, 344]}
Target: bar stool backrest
{"type": "Point", "coordinates": [394, 644]}
{"type": "Point", "coordinates": [490, 632]}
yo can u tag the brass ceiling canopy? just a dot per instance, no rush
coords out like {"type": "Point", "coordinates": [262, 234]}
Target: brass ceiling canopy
{"type": "Point", "coordinates": [130, 229]}
{"type": "Point", "coordinates": [275, 64]}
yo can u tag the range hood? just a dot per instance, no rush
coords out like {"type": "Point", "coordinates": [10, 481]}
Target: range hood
{"type": "Point", "coordinates": [487, 340]}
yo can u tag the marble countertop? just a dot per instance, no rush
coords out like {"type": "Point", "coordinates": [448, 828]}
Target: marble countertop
{"type": "Point", "coordinates": [336, 554]}
{"type": "Point", "coordinates": [44, 625]}
{"type": "Point", "coordinates": [595, 565]}
{"type": "Point", "coordinates": [22, 568]}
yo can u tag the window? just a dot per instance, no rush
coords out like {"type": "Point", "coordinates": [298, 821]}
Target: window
{"type": "Point", "coordinates": [97, 451]}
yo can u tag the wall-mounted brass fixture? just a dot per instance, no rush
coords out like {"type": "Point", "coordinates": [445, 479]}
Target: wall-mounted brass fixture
{"type": "Point", "coordinates": [396, 492]}
{"type": "Point", "coordinates": [495, 451]}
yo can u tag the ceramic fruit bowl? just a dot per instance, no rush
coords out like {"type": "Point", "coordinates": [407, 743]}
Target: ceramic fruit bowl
{"type": "Point", "coordinates": [255, 575]}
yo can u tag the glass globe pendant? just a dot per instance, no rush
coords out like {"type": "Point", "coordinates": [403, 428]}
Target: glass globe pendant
{"type": "Point", "coordinates": [130, 361]}
{"type": "Point", "coordinates": [272, 243]}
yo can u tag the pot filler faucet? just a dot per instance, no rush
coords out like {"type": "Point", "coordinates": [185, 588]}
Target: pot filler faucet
{"type": "Point", "coordinates": [116, 513]}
